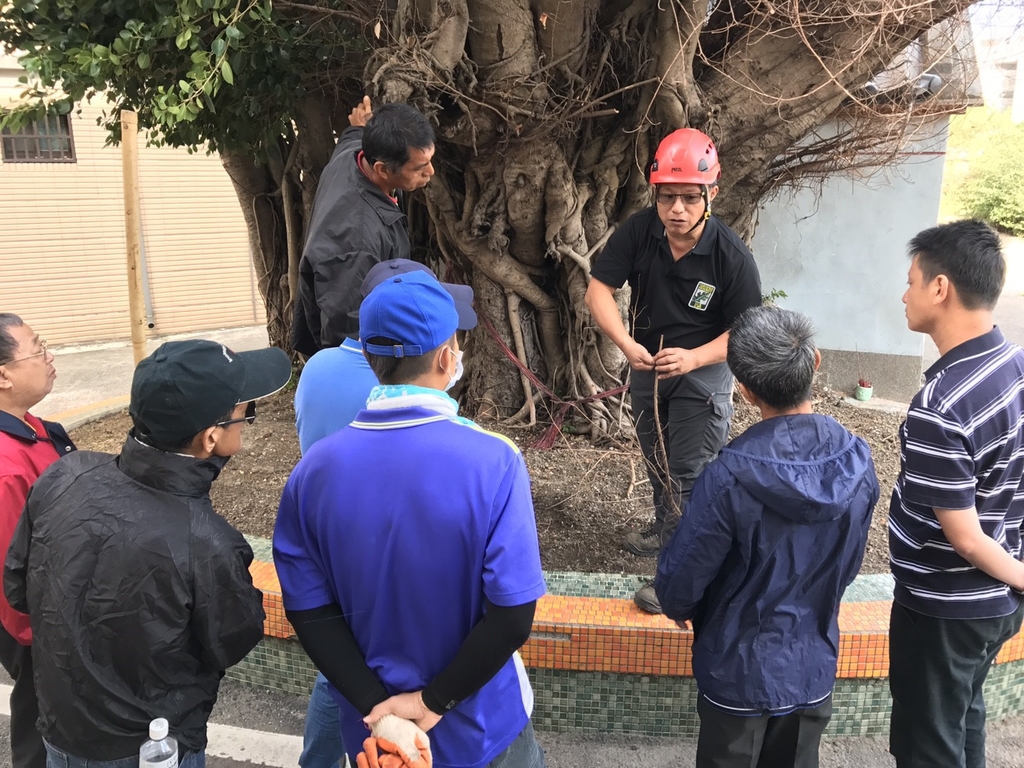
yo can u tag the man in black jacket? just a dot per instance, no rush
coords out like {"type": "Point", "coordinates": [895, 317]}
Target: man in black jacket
{"type": "Point", "coordinates": [356, 221]}
{"type": "Point", "coordinates": [139, 594]}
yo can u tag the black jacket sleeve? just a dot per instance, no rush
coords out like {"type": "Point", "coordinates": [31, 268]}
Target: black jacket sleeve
{"type": "Point", "coordinates": [227, 620]}
{"type": "Point", "coordinates": [16, 564]}
{"type": "Point", "coordinates": [331, 646]}
{"type": "Point", "coordinates": [487, 648]}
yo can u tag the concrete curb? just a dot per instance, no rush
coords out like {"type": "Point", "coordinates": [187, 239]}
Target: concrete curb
{"type": "Point", "coordinates": [76, 417]}
{"type": "Point", "coordinates": [878, 404]}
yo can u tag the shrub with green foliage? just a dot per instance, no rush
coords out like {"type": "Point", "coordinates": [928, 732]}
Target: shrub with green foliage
{"type": "Point", "coordinates": [987, 168]}
{"type": "Point", "coordinates": [225, 73]}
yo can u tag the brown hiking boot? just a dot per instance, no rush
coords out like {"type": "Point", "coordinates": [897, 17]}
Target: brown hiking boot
{"type": "Point", "coordinates": [644, 543]}
{"type": "Point", "coordinates": [646, 599]}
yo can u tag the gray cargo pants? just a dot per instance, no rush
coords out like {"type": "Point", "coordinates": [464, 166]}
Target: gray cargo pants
{"type": "Point", "coordinates": [694, 411]}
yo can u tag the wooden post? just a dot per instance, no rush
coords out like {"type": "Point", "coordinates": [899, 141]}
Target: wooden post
{"type": "Point", "coordinates": [133, 229]}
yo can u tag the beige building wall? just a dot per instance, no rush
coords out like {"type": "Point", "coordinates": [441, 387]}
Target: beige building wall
{"type": "Point", "coordinates": [62, 241]}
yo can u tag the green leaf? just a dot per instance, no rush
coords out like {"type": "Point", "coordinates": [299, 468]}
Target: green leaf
{"type": "Point", "coordinates": [232, 32]}
{"type": "Point", "coordinates": [218, 46]}
{"type": "Point", "coordinates": [227, 73]}
{"type": "Point", "coordinates": [143, 60]}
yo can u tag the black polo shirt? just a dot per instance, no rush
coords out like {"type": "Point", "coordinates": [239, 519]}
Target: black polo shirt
{"type": "Point", "coordinates": [691, 301]}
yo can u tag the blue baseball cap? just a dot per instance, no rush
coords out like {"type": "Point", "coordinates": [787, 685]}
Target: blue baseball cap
{"type": "Point", "coordinates": [414, 310]}
{"type": "Point", "coordinates": [462, 294]}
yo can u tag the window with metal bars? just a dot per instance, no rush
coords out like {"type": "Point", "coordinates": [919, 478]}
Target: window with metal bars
{"type": "Point", "coordinates": [47, 140]}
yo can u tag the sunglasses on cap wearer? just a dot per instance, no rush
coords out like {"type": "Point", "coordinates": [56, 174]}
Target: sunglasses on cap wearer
{"type": "Point", "coordinates": [41, 353]}
{"type": "Point", "coordinates": [249, 418]}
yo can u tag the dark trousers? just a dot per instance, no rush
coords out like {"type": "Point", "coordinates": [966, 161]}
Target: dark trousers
{"type": "Point", "coordinates": [937, 669]}
{"type": "Point", "coordinates": [694, 412]}
{"type": "Point", "coordinates": [782, 741]}
{"type": "Point", "coordinates": [27, 750]}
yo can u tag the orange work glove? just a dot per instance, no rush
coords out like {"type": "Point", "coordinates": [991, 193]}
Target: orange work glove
{"type": "Point", "coordinates": [393, 756]}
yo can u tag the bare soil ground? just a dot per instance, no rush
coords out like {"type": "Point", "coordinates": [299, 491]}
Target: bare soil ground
{"type": "Point", "coordinates": [586, 497]}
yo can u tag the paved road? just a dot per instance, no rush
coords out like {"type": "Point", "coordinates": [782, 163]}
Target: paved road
{"type": "Point", "coordinates": [99, 376]}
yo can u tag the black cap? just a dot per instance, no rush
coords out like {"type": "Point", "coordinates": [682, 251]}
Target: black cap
{"type": "Point", "coordinates": [462, 294]}
{"type": "Point", "coordinates": [186, 386]}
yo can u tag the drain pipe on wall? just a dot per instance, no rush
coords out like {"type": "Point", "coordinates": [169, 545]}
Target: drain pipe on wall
{"type": "Point", "coordinates": [147, 294]}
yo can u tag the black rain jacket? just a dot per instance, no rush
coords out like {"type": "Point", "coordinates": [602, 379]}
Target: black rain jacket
{"type": "Point", "coordinates": [139, 596]}
{"type": "Point", "coordinates": [353, 227]}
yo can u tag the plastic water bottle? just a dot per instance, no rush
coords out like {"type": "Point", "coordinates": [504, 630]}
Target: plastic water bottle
{"type": "Point", "coordinates": [161, 751]}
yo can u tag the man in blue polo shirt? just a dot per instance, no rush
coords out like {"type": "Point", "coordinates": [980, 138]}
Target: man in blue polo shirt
{"type": "Point", "coordinates": [954, 521]}
{"type": "Point", "coordinates": [333, 388]}
{"type": "Point", "coordinates": [407, 550]}
{"type": "Point", "coordinates": [335, 382]}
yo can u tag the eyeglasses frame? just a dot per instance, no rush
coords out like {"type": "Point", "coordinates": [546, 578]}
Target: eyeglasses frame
{"type": "Point", "coordinates": [249, 418]}
{"type": "Point", "coordinates": [42, 344]}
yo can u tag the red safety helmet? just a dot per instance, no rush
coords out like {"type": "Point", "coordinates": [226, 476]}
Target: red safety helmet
{"type": "Point", "coordinates": [686, 156]}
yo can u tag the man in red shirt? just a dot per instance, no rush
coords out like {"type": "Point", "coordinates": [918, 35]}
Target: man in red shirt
{"type": "Point", "coordinates": [27, 447]}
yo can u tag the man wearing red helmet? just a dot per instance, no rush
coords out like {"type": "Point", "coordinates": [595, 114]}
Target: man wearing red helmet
{"type": "Point", "coordinates": [690, 277]}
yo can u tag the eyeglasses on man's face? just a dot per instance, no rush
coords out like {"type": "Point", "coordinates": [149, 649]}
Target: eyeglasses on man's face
{"type": "Point", "coordinates": [249, 418]}
{"type": "Point", "coordinates": [41, 353]}
{"type": "Point", "coordinates": [668, 199]}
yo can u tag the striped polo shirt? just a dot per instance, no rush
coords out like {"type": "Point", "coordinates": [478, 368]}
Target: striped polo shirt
{"type": "Point", "coordinates": [961, 446]}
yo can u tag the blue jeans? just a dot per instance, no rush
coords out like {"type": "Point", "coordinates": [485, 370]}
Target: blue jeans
{"type": "Point", "coordinates": [57, 758]}
{"type": "Point", "coordinates": [524, 752]}
{"type": "Point", "coordinates": [322, 745]}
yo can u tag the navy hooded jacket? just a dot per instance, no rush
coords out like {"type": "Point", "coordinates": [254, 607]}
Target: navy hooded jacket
{"type": "Point", "coordinates": [774, 532]}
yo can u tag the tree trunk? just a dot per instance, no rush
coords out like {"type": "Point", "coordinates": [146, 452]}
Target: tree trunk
{"type": "Point", "coordinates": [544, 143]}
{"type": "Point", "coordinates": [260, 200]}
{"type": "Point", "coordinates": [547, 113]}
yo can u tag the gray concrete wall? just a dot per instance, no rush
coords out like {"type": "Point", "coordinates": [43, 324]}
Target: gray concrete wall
{"type": "Point", "coordinates": [840, 255]}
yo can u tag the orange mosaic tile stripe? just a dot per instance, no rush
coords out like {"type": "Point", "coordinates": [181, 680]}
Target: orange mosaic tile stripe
{"type": "Point", "coordinates": [593, 634]}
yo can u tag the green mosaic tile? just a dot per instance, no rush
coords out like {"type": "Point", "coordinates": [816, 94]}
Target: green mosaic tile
{"type": "Point", "coordinates": [263, 549]}
{"type": "Point", "coordinates": [608, 585]}
{"type": "Point", "coordinates": [277, 664]}
{"type": "Point", "coordinates": [596, 702]}
{"type": "Point", "coordinates": [869, 588]}
{"type": "Point", "coordinates": [635, 704]}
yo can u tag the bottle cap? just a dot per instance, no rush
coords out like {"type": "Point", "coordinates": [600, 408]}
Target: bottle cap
{"type": "Point", "coordinates": [158, 729]}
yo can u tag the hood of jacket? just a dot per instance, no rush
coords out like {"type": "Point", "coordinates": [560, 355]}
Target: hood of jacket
{"type": "Point", "coordinates": [805, 468]}
{"type": "Point", "coordinates": [175, 473]}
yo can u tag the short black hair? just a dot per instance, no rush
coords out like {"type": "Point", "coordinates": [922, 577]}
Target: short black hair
{"type": "Point", "coordinates": [969, 254]}
{"type": "Point", "coordinates": [8, 346]}
{"type": "Point", "coordinates": [179, 446]}
{"type": "Point", "coordinates": [772, 354]}
{"type": "Point", "coordinates": [391, 131]}
{"type": "Point", "coordinates": [399, 370]}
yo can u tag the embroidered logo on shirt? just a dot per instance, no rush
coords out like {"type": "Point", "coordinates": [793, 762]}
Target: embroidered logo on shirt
{"type": "Point", "coordinates": [702, 296]}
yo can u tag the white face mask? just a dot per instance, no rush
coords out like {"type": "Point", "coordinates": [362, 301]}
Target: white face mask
{"type": "Point", "coordinates": [458, 371]}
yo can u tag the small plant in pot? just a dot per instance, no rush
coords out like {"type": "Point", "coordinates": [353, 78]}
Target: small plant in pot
{"type": "Point", "coordinates": [863, 390]}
